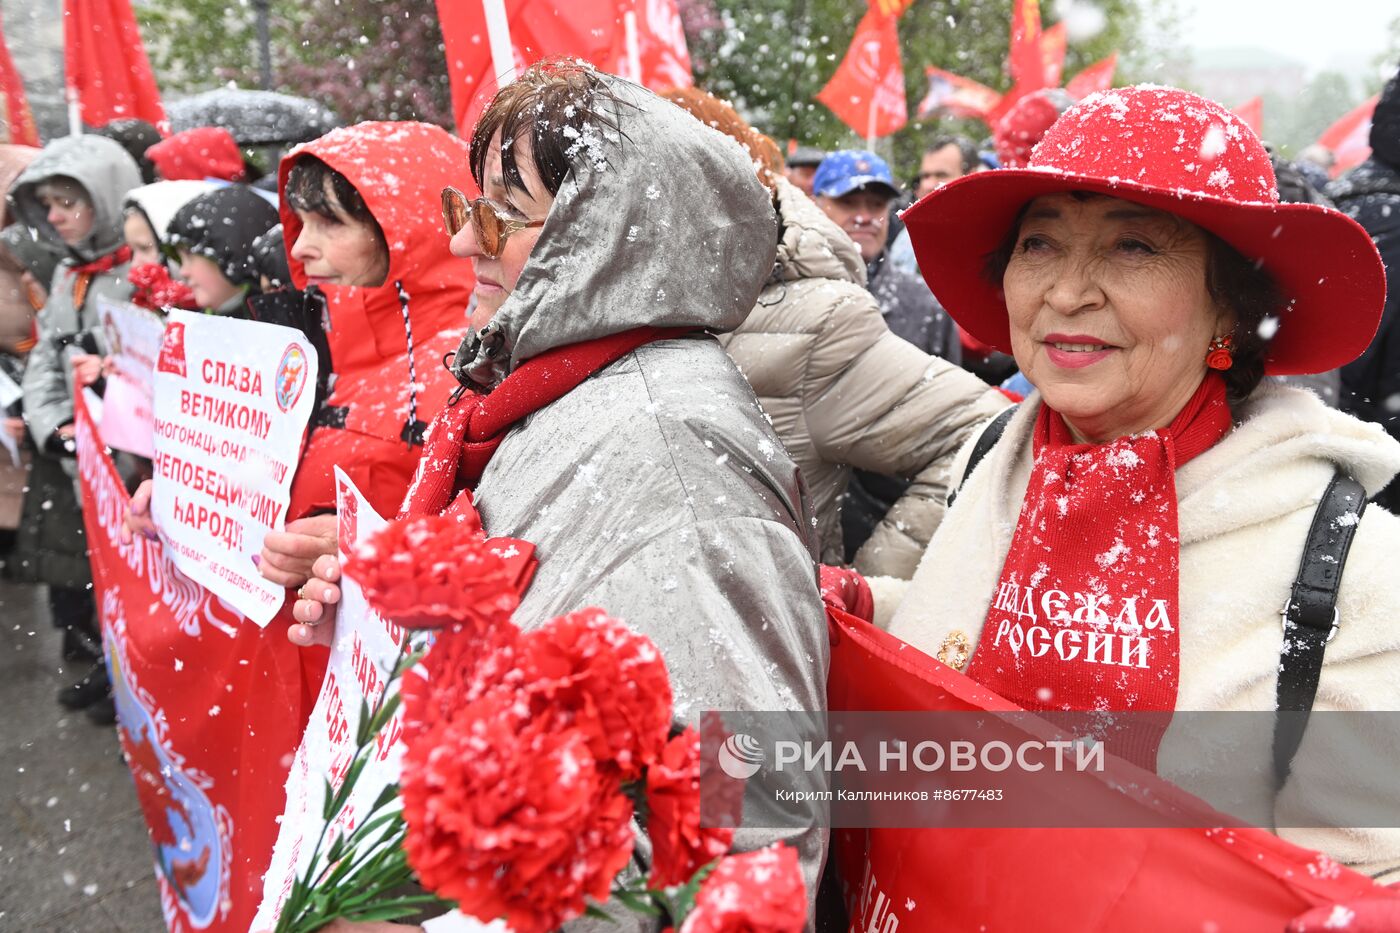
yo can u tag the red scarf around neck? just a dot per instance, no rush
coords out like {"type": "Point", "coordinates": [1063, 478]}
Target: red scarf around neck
{"type": "Point", "coordinates": [464, 435]}
{"type": "Point", "coordinates": [83, 274]}
{"type": "Point", "coordinates": [1086, 614]}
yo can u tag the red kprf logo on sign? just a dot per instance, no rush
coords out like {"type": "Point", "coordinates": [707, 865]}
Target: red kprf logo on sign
{"type": "Point", "coordinates": [172, 350]}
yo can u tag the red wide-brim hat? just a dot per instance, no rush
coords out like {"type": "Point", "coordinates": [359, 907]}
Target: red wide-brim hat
{"type": "Point", "coordinates": [1177, 152]}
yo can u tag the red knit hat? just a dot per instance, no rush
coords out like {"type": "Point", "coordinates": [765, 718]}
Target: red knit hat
{"type": "Point", "coordinates": [197, 154]}
{"type": "Point", "coordinates": [1177, 152]}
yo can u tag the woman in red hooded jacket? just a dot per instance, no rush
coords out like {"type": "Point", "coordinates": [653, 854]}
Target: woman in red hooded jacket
{"type": "Point", "coordinates": [362, 224]}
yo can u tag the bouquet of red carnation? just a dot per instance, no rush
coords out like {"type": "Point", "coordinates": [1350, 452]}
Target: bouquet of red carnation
{"type": "Point", "coordinates": [156, 290]}
{"type": "Point", "coordinates": [527, 755]}
{"type": "Point", "coordinates": [435, 571]}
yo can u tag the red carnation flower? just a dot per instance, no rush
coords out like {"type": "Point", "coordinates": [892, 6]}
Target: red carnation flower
{"type": "Point", "coordinates": [509, 814]}
{"type": "Point", "coordinates": [155, 290]}
{"type": "Point", "coordinates": [680, 845]}
{"type": "Point", "coordinates": [757, 892]}
{"type": "Point", "coordinates": [434, 571]}
{"type": "Point", "coordinates": [610, 680]}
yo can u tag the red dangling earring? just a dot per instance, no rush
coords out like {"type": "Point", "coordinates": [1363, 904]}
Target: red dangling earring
{"type": "Point", "coordinates": [1221, 353]}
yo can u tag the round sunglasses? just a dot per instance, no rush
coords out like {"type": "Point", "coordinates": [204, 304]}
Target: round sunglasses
{"type": "Point", "coordinates": [491, 227]}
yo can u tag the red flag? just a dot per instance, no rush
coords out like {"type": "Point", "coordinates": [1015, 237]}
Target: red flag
{"type": "Point", "coordinates": [105, 63]}
{"type": "Point", "coordinates": [1025, 59]}
{"type": "Point", "coordinates": [18, 118]}
{"type": "Point", "coordinates": [593, 30]}
{"type": "Point", "coordinates": [1349, 139]}
{"type": "Point", "coordinates": [1097, 77]}
{"type": "Point", "coordinates": [1252, 113]}
{"type": "Point", "coordinates": [1052, 55]}
{"type": "Point", "coordinates": [1157, 879]}
{"type": "Point", "coordinates": [956, 96]}
{"type": "Point", "coordinates": [867, 90]}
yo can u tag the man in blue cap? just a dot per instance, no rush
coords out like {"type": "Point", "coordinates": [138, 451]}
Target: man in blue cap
{"type": "Point", "coordinates": [855, 188]}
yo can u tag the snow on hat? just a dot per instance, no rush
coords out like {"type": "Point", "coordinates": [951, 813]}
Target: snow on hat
{"type": "Point", "coordinates": [843, 172]}
{"type": "Point", "coordinates": [1174, 151]}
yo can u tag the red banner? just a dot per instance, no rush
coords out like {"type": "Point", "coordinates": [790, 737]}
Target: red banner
{"type": "Point", "coordinates": [1052, 880]}
{"type": "Point", "coordinates": [105, 64]}
{"type": "Point", "coordinates": [1097, 77]}
{"type": "Point", "coordinates": [1349, 138]}
{"type": "Point", "coordinates": [867, 90]}
{"type": "Point", "coordinates": [956, 96]}
{"type": "Point", "coordinates": [18, 118]}
{"type": "Point", "coordinates": [209, 708]}
{"type": "Point", "coordinates": [608, 33]}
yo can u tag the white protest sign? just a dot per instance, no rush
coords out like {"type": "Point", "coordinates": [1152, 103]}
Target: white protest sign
{"type": "Point", "coordinates": [366, 647]}
{"type": "Point", "coordinates": [133, 340]}
{"type": "Point", "coordinates": [232, 399]}
{"type": "Point", "coordinates": [9, 392]}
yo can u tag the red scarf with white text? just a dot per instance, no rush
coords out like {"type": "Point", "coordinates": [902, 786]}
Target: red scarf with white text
{"type": "Point", "coordinates": [1086, 614]}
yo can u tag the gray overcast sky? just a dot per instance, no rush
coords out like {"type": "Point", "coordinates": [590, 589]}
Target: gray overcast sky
{"type": "Point", "coordinates": [1336, 34]}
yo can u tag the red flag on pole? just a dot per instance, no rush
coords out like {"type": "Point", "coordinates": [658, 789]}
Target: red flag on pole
{"type": "Point", "coordinates": [1097, 77]}
{"type": "Point", "coordinates": [18, 118]}
{"type": "Point", "coordinates": [956, 96]}
{"type": "Point", "coordinates": [867, 90]}
{"type": "Point", "coordinates": [1252, 113]}
{"type": "Point", "coordinates": [1025, 59]}
{"type": "Point", "coordinates": [1349, 139]}
{"type": "Point", "coordinates": [619, 36]}
{"type": "Point", "coordinates": [105, 64]}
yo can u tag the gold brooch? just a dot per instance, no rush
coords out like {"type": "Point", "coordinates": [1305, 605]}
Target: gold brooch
{"type": "Point", "coordinates": [955, 651]}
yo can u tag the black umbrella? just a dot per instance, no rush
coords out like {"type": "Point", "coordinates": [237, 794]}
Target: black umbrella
{"type": "Point", "coordinates": [255, 118]}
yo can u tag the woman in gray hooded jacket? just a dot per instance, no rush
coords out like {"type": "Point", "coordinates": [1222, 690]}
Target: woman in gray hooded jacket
{"type": "Point", "coordinates": [71, 194]}
{"type": "Point", "coordinates": [654, 488]}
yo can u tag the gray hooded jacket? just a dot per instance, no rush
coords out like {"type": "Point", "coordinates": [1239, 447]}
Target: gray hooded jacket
{"type": "Point", "coordinates": [107, 173]}
{"type": "Point", "coordinates": [657, 490]}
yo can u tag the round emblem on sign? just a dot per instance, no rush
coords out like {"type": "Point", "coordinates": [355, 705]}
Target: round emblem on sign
{"type": "Point", "coordinates": [291, 376]}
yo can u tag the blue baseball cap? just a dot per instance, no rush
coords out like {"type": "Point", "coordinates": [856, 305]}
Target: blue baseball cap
{"type": "Point", "coordinates": [850, 169]}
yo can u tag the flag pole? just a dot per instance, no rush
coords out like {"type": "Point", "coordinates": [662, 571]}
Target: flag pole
{"type": "Point", "coordinates": [870, 126]}
{"type": "Point", "coordinates": [75, 112]}
{"type": "Point", "coordinates": [634, 52]}
{"type": "Point", "coordinates": [498, 33]}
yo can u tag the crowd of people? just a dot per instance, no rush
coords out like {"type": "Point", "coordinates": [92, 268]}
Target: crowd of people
{"type": "Point", "coordinates": [712, 384]}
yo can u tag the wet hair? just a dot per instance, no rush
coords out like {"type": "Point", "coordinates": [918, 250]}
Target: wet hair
{"type": "Point", "coordinates": [710, 110]}
{"type": "Point", "coordinates": [560, 104]}
{"type": "Point", "coordinates": [967, 151]}
{"type": "Point", "coordinates": [1233, 282]}
{"type": "Point", "coordinates": [306, 191]}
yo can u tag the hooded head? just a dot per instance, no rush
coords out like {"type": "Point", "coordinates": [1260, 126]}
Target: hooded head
{"type": "Point", "coordinates": [136, 137]}
{"type": "Point", "coordinates": [221, 226]}
{"type": "Point", "coordinates": [156, 205]}
{"type": "Point", "coordinates": [13, 161]}
{"type": "Point", "coordinates": [104, 170]}
{"type": "Point", "coordinates": [203, 152]}
{"type": "Point", "coordinates": [1385, 125]}
{"type": "Point", "coordinates": [398, 170]}
{"type": "Point", "coordinates": [657, 220]}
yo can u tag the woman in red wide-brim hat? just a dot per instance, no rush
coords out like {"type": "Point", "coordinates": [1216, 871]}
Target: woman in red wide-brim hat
{"type": "Point", "coordinates": [1134, 539]}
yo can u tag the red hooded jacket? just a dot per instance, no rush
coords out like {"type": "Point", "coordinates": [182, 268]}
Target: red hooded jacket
{"type": "Point", "coordinates": [399, 169]}
{"type": "Point", "coordinates": [197, 154]}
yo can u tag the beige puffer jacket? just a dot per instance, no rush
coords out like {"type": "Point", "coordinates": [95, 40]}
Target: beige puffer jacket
{"type": "Point", "coordinates": [842, 391]}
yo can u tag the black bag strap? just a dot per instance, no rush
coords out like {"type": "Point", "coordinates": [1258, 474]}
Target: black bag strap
{"type": "Point", "coordinates": [1310, 618]}
{"type": "Point", "coordinates": [985, 442]}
